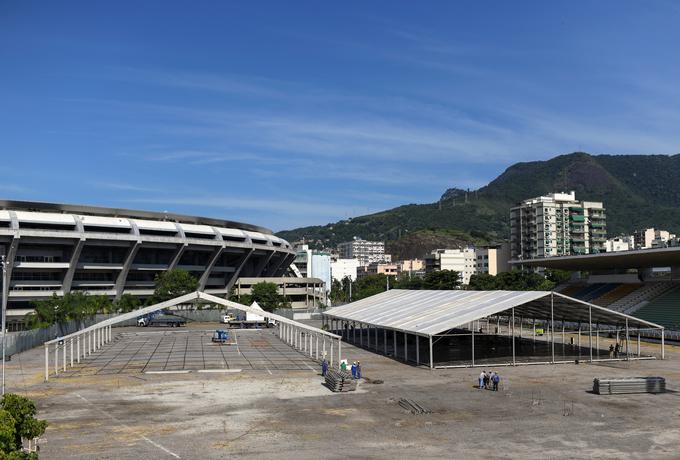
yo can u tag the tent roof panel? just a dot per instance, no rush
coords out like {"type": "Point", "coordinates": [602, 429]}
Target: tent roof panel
{"type": "Point", "coordinates": [433, 312]}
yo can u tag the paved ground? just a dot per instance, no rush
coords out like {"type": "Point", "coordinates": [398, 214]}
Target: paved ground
{"type": "Point", "coordinates": [541, 412]}
{"type": "Point", "coordinates": [149, 351]}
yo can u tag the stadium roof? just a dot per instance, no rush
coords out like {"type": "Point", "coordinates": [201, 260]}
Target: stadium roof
{"type": "Point", "coordinates": [640, 258]}
{"type": "Point", "coordinates": [16, 205]}
{"type": "Point", "coordinates": [429, 313]}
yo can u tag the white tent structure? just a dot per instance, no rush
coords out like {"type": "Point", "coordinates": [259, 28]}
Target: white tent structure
{"type": "Point", "coordinates": [310, 340]}
{"type": "Point", "coordinates": [433, 315]}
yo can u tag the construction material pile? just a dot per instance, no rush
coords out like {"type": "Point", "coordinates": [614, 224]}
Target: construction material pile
{"type": "Point", "coordinates": [629, 385]}
{"type": "Point", "coordinates": [340, 381]}
{"type": "Point", "coordinates": [413, 407]}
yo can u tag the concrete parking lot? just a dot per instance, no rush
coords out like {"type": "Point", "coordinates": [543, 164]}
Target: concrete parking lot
{"type": "Point", "coordinates": [540, 412]}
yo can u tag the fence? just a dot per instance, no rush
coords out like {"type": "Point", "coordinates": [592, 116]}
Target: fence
{"type": "Point", "coordinates": [17, 342]}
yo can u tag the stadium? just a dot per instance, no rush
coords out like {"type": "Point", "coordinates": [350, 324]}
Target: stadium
{"type": "Point", "coordinates": [57, 248]}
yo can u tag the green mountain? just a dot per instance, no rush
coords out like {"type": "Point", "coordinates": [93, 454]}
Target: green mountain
{"type": "Point", "coordinates": [638, 191]}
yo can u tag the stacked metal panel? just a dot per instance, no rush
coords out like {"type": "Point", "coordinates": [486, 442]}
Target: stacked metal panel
{"type": "Point", "coordinates": [340, 381]}
{"type": "Point", "coordinates": [629, 385]}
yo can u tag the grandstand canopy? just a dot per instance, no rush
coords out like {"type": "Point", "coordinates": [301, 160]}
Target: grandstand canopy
{"type": "Point", "coordinates": [429, 313]}
{"type": "Point", "coordinates": [641, 258]}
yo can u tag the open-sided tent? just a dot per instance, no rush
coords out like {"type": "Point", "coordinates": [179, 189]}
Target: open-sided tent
{"type": "Point", "coordinates": [308, 339]}
{"type": "Point", "coordinates": [433, 315]}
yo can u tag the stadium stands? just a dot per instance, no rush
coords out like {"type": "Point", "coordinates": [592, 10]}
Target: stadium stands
{"type": "Point", "coordinates": [664, 309]}
{"type": "Point", "coordinates": [615, 294]}
{"type": "Point", "coordinates": [648, 291]}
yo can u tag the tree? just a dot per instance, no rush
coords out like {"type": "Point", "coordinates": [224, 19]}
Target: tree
{"type": "Point", "coordinates": [17, 419]}
{"type": "Point", "coordinates": [442, 280]}
{"type": "Point", "coordinates": [369, 285]}
{"type": "Point", "coordinates": [511, 281]}
{"type": "Point", "coordinates": [127, 303]}
{"type": "Point", "coordinates": [266, 295]}
{"type": "Point", "coordinates": [173, 283]}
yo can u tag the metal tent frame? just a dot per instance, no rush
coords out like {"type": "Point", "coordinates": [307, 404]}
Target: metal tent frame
{"type": "Point", "coordinates": [307, 339]}
{"type": "Point", "coordinates": [433, 315]}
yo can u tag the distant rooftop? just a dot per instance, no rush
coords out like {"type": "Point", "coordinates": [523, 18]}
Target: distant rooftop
{"type": "Point", "coordinates": [37, 206]}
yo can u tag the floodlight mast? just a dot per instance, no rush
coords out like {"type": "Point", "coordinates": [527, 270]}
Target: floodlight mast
{"type": "Point", "coordinates": [4, 315]}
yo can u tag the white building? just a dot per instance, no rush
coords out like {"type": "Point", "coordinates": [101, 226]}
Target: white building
{"type": "Point", "coordinates": [492, 259]}
{"type": "Point", "coordinates": [651, 238]}
{"type": "Point", "coordinates": [556, 225]}
{"type": "Point", "coordinates": [620, 243]}
{"type": "Point", "coordinates": [314, 264]}
{"type": "Point", "coordinates": [461, 260]}
{"type": "Point", "coordinates": [366, 252]}
{"type": "Point", "coordinates": [343, 268]}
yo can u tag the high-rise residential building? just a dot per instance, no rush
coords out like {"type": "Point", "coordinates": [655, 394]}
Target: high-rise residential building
{"type": "Point", "coordinates": [344, 268]}
{"type": "Point", "coordinates": [461, 260]}
{"type": "Point", "coordinates": [366, 252]}
{"type": "Point", "coordinates": [492, 260]}
{"type": "Point", "coordinates": [556, 225]}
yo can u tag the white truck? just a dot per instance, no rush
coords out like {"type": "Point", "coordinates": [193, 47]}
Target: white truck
{"type": "Point", "coordinates": [249, 319]}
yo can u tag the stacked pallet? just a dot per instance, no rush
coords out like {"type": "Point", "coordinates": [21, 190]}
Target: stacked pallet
{"type": "Point", "coordinates": [629, 385]}
{"type": "Point", "coordinates": [413, 407]}
{"type": "Point", "coordinates": [340, 381]}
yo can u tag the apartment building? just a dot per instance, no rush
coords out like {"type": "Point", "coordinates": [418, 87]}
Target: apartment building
{"type": "Point", "coordinates": [366, 252]}
{"type": "Point", "coordinates": [461, 260]}
{"type": "Point", "coordinates": [556, 225]}
{"type": "Point", "coordinates": [492, 260]}
{"type": "Point", "coordinates": [652, 238]}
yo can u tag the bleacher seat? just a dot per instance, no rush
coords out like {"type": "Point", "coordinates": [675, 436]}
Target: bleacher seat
{"type": "Point", "coordinates": [664, 309]}
{"type": "Point", "coordinates": [615, 294]}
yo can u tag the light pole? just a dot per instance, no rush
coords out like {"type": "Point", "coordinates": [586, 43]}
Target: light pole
{"type": "Point", "coordinates": [4, 312]}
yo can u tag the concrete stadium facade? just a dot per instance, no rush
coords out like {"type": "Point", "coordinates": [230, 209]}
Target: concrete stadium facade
{"type": "Point", "coordinates": [56, 248]}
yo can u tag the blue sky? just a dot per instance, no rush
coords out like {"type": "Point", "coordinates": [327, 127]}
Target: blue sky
{"type": "Point", "coordinates": [286, 114]}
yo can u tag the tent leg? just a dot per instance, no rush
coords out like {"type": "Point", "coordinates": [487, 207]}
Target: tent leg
{"type": "Point", "coordinates": [394, 352]}
{"type": "Point", "coordinates": [331, 363]}
{"type": "Point", "coordinates": [339, 353]}
{"type": "Point", "coordinates": [627, 337]}
{"type": "Point", "coordinates": [663, 344]}
{"type": "Point", "coordinates": [417, 351]}
{"type": "Point", "coordinates": [385, 340]}
{"type": "Point", "coordinates": [431, 357]}
{"type": "Point", "coordinates": [405, 347]}
{"type": "Point", "coordinates": [638, 344]}
{"type": "Point", "coordinates": [78, 348]}
{"type": "Point", "coordinates": [47, 362]}
{"type": "Point", "coordinates": [71, 345]}
{"type": "Point", "coordinates": [473, 347]}
{"type": "Point", "coordinates": [552, 325]}
{"type": "Point", "coordinates": [597, 340]}
{"type": "Point", "coordinates": [513, 336]}
{"type": "Point", "coordinates": [590, 331]}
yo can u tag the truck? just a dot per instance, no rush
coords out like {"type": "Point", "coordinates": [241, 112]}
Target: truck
{"type": "Point", "coordinates": [250, 319]}
{"type": "Point", "coordinates": [161, 320]}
